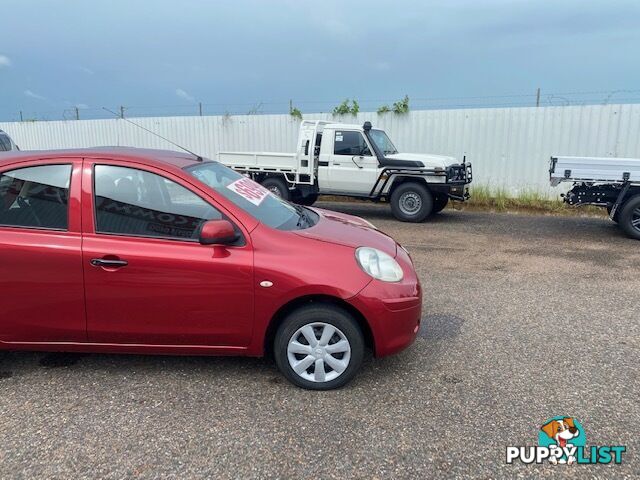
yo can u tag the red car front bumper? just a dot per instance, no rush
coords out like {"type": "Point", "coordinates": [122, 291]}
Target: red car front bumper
{"type": "Point", "coordinates": [393, 310]}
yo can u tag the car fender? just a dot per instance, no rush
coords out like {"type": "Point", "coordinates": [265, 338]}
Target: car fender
{"type": "Point", "coordinates": [331, 272]}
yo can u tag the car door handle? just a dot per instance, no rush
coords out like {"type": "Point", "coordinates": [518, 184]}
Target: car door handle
{"type": "Point", "coordinates": [102, 262]}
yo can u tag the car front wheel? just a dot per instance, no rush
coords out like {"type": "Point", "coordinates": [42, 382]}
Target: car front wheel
{"type": "Point", "coordinates": [319, 347]}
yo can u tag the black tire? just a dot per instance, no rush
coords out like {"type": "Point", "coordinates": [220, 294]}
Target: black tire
{"type": "Point", "coordinates": [277, 186]}
{"type": "Point", "coordinates": [308, 200]}
{"type": "Point", "coordinates": [314, 314]}
{"type": "Point", "coordinates": [629, 218]}
{"type": "Point", "coordinates": [439, 202]}
{"type": "Point", "coordinates": [408, 196]}
{"type": "Point", "coordinates": [616, 217]}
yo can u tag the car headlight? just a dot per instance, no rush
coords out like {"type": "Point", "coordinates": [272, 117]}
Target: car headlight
{"type": "Point", "coordinates": [378, 264]}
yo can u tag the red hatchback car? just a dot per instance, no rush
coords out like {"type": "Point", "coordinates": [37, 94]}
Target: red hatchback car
{"type": "Point", "coordinates": [143, 251]}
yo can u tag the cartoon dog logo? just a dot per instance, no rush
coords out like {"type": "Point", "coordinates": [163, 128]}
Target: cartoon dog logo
{"type": "Point", "coordinates": [561, 431]}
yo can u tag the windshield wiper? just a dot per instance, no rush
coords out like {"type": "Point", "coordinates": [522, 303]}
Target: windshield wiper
{"type": "Point", "coordinates": [304, 216]}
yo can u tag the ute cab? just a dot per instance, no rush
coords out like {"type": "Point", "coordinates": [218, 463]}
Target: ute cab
{"type": "Point", "coordinates": [352, 159]}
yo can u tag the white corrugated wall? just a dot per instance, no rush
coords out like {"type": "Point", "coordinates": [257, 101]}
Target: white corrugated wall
{"type": "Point", "coordinates": [509, 147]}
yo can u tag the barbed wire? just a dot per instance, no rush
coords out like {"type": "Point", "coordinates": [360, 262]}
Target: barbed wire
{"type": "Point", "coordinates": [571, 98]}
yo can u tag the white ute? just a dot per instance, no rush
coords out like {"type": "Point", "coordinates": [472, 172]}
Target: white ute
{"type": "Point", "coordinates": [608, 182]}
{"type": "Point", "coordinates": [356, 161]}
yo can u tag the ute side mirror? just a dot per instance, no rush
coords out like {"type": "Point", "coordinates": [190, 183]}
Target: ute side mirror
{"type": "Point", "coordinates": [218, 232]}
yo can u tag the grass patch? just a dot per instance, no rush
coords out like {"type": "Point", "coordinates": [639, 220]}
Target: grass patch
{"type": "Point", "coordinates": [499, 200]}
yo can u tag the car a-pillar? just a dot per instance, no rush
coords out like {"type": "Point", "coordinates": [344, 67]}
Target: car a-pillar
{"type": "Point", "coordinates": [411, 201]}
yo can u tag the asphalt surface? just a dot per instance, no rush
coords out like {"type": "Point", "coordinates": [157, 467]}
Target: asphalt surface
{"type": "Point", "coordinates": [525, 318]}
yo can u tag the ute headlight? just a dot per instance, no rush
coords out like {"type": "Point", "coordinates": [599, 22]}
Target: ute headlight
{"type": "Point", "coordinates": [378, 264]}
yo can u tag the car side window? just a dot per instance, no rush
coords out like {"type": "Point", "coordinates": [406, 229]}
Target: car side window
{"type": "Point", "coordinates": [133, 202]}
{"type": "Point", "coordinates": [350, 143]}
{"type": "Point", "coordinates": [35, 197]}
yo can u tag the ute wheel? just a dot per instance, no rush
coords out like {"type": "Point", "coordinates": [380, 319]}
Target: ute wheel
{"type": "Point", "coordinates": [411, 202]}
{"type": "Point", "coordinates": [439, 202]}
{"type": "Point", "coordinates": [616, 217]}
{"type": "Point", "coordinates": [629, 217]}
{"type": "Point", "coordinates": [319, 347]}
{"type": "Point", "coordinates": [277, 186]}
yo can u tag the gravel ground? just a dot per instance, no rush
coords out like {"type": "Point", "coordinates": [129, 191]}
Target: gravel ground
{"type": "Point", "coordinates": [525, 318]}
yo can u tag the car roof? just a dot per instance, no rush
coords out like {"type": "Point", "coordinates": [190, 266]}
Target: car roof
{"type": "Point", "coordinates": [158, 158]}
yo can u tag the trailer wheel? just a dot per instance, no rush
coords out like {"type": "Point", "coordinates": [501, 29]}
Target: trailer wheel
{"type": "Point", "coordinates": [629, 218]}
{"type": "Point", "coordinates": [411, 202]}
{"type": "Point", "coordinates": [277, 186]}
{"type": "Point", "coordinates": [439, 202]}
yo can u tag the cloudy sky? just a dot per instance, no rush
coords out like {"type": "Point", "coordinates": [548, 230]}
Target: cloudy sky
{"type": "Point", "coordinates": [166, 56]}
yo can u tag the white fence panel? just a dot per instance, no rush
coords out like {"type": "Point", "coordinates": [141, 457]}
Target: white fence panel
{"type": "Point", "coordinates": [509, 147]}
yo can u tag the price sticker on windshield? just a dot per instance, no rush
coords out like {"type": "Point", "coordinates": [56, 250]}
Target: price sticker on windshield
{"type": "Point", "coordinates": [249, 190]}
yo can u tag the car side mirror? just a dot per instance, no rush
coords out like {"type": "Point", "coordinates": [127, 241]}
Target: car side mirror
{"type": "Point", "coordinates": [217, 232]}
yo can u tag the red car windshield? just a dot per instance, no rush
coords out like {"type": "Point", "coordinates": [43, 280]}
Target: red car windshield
{"type": "Point", "coordinates": [253, 197]}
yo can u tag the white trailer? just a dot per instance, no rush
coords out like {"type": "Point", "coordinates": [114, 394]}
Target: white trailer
{"type": "Point", "coordinates": [613, 183]}
{"type": "Point", "coordinates": [356, 161]}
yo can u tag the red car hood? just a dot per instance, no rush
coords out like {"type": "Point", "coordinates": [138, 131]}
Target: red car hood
{"type": "Point", "coordinates": [348, 230]}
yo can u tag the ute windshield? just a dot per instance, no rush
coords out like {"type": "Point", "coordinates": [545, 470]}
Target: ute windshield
{"type": "Point", "coordinates": [253, 198]}
{"type": "Point", "coordinates": [382, 141]}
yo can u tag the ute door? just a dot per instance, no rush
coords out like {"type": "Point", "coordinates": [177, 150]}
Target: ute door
{"type": "Point", "coordinates": [352, 166]}
{"type": "Point", "coordinates": [147, 278]}
{"type": "Point", "coordinates": [40, 252]}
